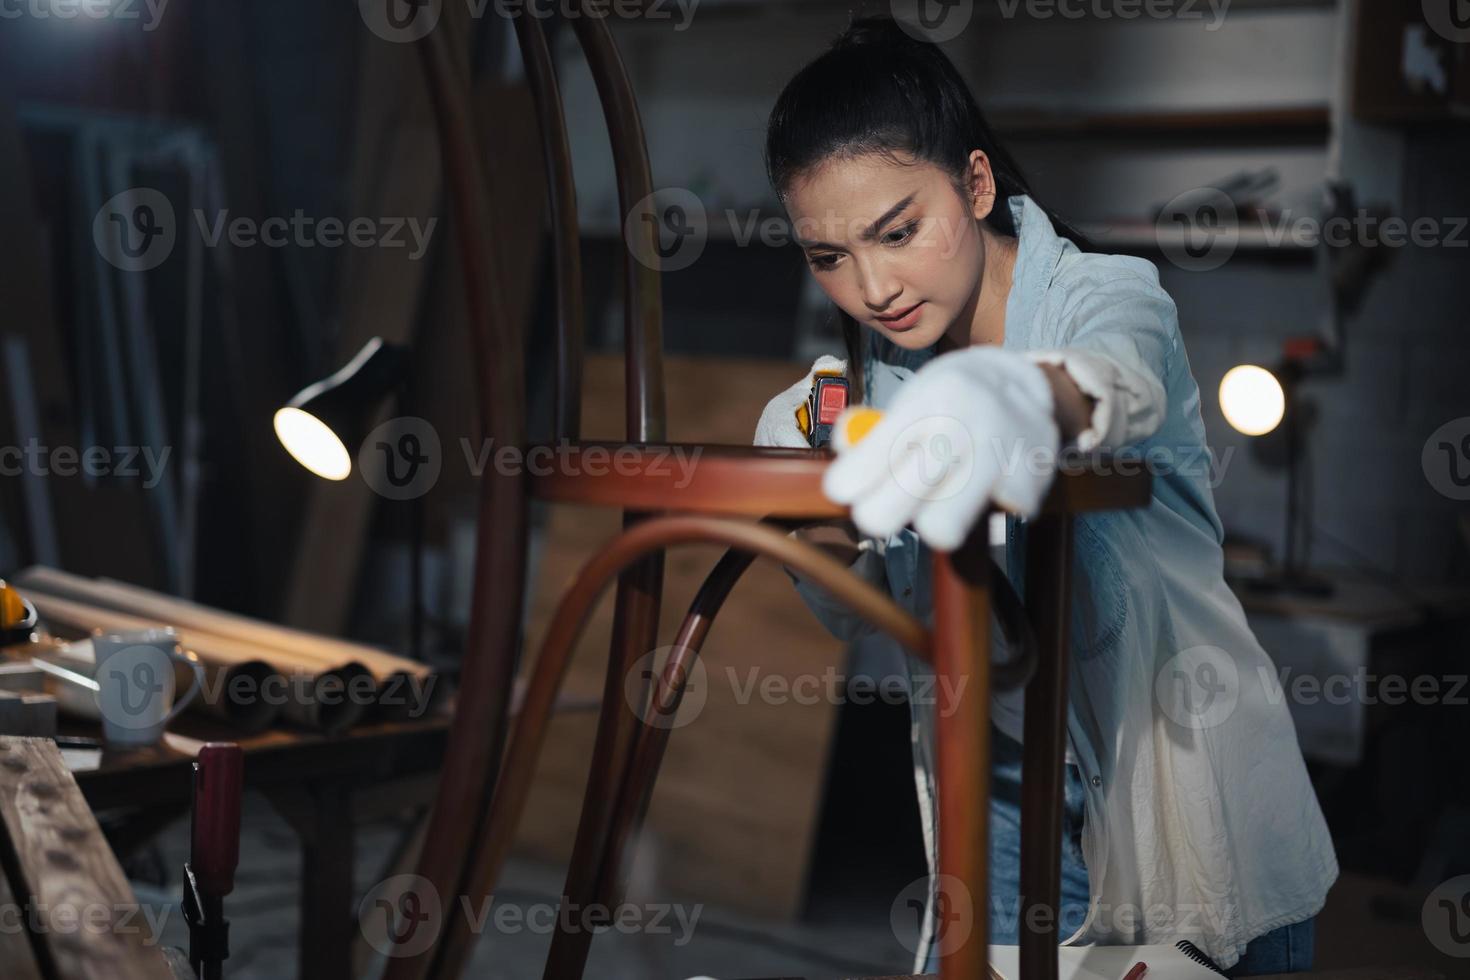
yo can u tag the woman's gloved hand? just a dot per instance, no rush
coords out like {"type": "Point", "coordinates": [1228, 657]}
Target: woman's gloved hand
{"type": "Point", "coordinates": [969, 427]}
{"type": "Point", "coordinates": [777, 425]}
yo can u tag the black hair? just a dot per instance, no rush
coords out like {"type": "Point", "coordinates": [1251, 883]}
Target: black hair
{"type": "Point", "coordinates": [880, 90]}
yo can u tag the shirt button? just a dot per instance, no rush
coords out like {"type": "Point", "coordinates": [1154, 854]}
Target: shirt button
{"type": "Point", "coordinates": [1096, 781]}
{"type": "Point", "coordinates": [908, 590]}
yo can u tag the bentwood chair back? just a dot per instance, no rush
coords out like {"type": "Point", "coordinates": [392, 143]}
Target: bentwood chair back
{"type": "Point", "coordinates": [744, 497]}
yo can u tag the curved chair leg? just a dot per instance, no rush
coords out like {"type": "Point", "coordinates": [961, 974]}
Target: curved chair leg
{"type": "Point", "coordinates": [635, 633]}
{"type": "Point", "coordinates": [492, 839]}
{"type": "Point", "coordinates": [479, 726]}
{"type": "Point", "coordinates": [569, 950]}
{"type": "Point", "coordinates": [962, 612]}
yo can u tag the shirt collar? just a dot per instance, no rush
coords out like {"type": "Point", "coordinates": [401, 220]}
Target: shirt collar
{"type": "Point", "coordinates": [1036, 264]}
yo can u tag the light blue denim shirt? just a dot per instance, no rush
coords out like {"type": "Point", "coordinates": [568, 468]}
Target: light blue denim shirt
{"type": "Point", "coordinates": [1201, 821]}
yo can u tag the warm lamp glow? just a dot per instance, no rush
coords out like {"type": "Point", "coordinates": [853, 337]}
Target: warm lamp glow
{"type": "Point", "coordinates": [1252, 399]}
{"type": "Point", "coordinates": [313, 444]}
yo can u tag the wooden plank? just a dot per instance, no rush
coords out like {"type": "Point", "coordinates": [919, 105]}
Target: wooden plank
{"type": "Point", "coordinates": [85, 919]}
{"type": "Point", "coordinates": [17, 959]}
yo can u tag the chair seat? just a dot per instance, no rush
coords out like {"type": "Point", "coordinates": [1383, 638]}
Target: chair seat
{"type": "Point", "coordinates": [757, 481]}
{"type": "Point", "coordinates": [753, 481]}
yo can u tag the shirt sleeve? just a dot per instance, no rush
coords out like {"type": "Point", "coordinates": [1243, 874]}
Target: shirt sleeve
{"type": "Point", "coordinates": [840, 621]}
{"type": "Point", "coordinates": [1116, 343]}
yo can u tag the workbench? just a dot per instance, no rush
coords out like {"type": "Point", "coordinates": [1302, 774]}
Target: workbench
{"type": "Point", "coordinates": [315, 781]}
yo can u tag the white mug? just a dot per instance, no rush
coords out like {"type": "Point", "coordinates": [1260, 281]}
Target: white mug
{"type": "Point", "coordinates": [135, 683]}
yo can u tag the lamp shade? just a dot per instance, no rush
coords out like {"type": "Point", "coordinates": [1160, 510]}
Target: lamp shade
{"type": "Point", "coordinates": [322, 426]}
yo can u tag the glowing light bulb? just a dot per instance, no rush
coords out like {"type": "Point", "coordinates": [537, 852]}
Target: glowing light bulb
{"type": "Point", "coordinates": [1252, 399]}
{"type": "Point", "coordinates": [313, 444]}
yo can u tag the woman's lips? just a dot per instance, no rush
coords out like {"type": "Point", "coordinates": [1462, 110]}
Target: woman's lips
{"type": "Point", "coordinates": [905, 320]}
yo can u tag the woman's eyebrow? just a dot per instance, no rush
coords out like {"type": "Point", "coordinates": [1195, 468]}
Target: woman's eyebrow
{"type": "Point", "coordinates": [872, 230]}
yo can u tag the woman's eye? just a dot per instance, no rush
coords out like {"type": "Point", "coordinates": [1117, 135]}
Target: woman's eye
{"type": "Point", "coordinates": [904, 233]}
{"type": "Point", "coordinates": [822, 262]}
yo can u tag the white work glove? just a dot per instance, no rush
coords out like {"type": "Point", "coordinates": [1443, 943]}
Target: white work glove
{"type": "Point", "coordinates": [969, 427]}
{"type": "Point", "coordinates": [777, 426]}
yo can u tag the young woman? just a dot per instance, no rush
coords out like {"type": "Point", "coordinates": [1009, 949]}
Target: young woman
{"type": "Point", "coordinates": [992, 338]}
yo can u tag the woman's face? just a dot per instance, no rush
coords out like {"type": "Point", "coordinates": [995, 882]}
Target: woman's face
{"type": "Point", "coordinates": [882, 238]}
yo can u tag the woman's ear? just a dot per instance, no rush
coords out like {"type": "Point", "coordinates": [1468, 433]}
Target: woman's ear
{"type": "Point", "coordinates": [982, 185]}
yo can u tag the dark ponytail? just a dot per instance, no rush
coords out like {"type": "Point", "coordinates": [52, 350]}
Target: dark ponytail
{"type": "Point", "coordinates": [880, 90]}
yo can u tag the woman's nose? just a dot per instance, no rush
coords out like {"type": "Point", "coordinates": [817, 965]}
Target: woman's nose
{"type": "Point", "coordinates": [879, 287]}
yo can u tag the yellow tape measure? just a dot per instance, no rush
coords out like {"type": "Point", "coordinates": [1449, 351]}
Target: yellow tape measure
{"type": "Point", "coordinates": [854, 425]}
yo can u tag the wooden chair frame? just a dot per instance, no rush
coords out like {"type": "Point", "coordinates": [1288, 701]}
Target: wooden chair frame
{"type": "Point", "coordinates": [487, 770]}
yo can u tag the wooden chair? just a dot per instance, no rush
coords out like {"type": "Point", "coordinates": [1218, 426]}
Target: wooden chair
{"type": "Point", "coordinates": [746, 498]}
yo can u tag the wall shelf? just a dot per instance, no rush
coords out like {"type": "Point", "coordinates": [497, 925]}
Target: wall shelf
{"type": "Point", "coordinates": [1144, 237]}
{"type": "Point", "coordinates": [1304, 123]}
